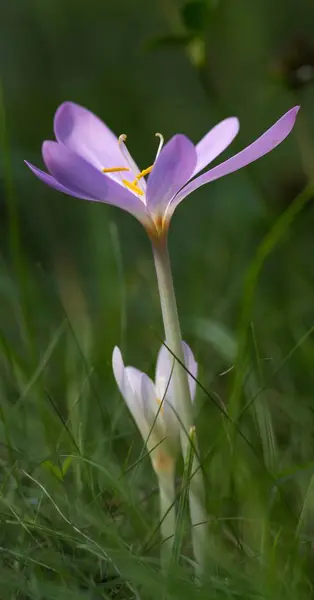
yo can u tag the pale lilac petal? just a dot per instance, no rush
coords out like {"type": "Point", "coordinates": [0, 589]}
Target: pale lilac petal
{"type": "Point", "coordinates": [192, 368]}
{"type": "Point", "coordinates": [52, 182]}
{"type": "Point", "coordinates": [134, 377]}
{"type": "Point", "coordinates": [85, 181]}
{"type": "Point", "coordinates": [173, 168]}
{"type": "Point", "coordinates": [145, 391]}
{"type": "Point", "coordinates": [215, 142]}
{"type": "Point", "coordinates": [149, 399]}
{"type": "Point", "coordinates": [139, 381]}
{"type": "Point", "coordinates": [164, 368]}
{"type": "Point", "coordinates": [129, 391]}
{"type": "Point", "coordinates": [85, 134]}
{"type": "Point", "coordinates": [162, 416]}
{"type": "Point", "coordinates": [264, 144]}
{"type": "Point", "coordinates": [122, 380]}
{"type": "Point", "coordinates": [163, 432]}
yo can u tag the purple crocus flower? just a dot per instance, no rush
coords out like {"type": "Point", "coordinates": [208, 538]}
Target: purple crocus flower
{"type": "Point", "coordinates": [88, 161]}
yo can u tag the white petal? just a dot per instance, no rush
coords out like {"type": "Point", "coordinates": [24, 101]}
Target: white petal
{"type": "Point", "coordinates": [149, 400]}
{"type": "Point", "coordinates": [164, 421]}
{"type": "Point", "coordinates": [128, 380]}
{"type": "Point", "coordinates": [192, 368]}
{"type": "Point", "coordinates": [165, 387]}
{"type": "Point", "coordinates": [134, 377]}
{"type": "Point", "coordinates": [164, 368]}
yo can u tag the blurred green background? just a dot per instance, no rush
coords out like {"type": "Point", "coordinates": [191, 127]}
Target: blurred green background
{"type": "Point", "coordinates": [77, 278]}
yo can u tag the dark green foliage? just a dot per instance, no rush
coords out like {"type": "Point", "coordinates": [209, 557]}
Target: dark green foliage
{"type": "Point", "coordinates": [78, 500]}
{"type": "Point", "coordinates": [195, 14]}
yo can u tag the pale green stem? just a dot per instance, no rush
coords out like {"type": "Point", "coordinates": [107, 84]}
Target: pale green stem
{"type": "Point", "coordinates": [184, 405]}
{"type": "Point", "coordinates": [167, 514]}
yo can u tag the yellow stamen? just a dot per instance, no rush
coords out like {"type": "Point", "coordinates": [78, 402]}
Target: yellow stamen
{"type": "Point", "coordinates": [133, 187]}
{"type": "Point", "coordinates": [115, 170]}
{"type": "Point", "coordinates": [143, 173]}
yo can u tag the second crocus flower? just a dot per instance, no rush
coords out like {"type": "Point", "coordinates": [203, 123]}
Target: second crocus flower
{"type": "Point", "coordinates": [153, 404]}
{"type": "Point", "coordinates": [153, 407]}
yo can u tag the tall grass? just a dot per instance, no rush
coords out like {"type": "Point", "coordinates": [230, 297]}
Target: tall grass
{"type": "Point", "coordinates": [79, 503]}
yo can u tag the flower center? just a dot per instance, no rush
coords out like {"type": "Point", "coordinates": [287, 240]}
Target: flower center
{"type": "Point", "coordinates": [160, 406]}
{"type": "Point", "coordinates": [162, 461]}
{"type": "Point", "coordinates": [136, 185]}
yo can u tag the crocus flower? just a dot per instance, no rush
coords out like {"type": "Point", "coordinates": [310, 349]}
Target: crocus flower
{"type": "Point", "coordinates": [153, 405]}
{"type": "Point", "coordinates": [88, 161]}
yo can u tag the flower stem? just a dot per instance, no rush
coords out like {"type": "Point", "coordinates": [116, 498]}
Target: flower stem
{"type": "Point", "coordinates": [167, 514]}
{"type": "Point", "coordinates": [184, 405]}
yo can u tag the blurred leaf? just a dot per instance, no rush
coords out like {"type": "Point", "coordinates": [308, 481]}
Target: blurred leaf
{"type": "Point", "coordinates": [49, 466]}
{"type": "Point", "coordinates": [219, 336]}
{"type": "Point", "coordinates": [196, 52]}
{"type": "Point", "coordinates": [194, 15]}
{"type": "Point", "coordinates": [276, 234]}
{"type": "Point", "coordinates": [184, 498]}
{"type": "Point", "coordinates": [164, 41]}
{"type": "Point", "coordinates": [225, 343]}
{"type": "Point", "coordinates": [66, 464]}
{"type": "Point", "coordinates": [59, 473]}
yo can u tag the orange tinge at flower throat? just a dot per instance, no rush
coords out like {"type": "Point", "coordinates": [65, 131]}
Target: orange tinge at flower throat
{"type": "Point", "coordinates": [159, 224]}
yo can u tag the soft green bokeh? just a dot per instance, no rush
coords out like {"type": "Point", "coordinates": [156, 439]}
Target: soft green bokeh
{"type": "Point", "coordinates": [76, 278]}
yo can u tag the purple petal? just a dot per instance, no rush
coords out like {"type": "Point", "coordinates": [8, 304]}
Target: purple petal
{"type": "Point", "coordinates": [172, 170]}
{"type": "Point", "coordinates": [215, 142]}
{"type": "Point", "coordinates": [52, 182]}
{"type": "Point", "coordinates": [264, 144]}
{"type": "Point", "coordinates": [85, 134]}
{"type": "Point", "coordinates": [83, 180]}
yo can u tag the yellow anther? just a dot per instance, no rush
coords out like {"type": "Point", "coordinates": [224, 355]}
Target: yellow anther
{"type": "Point", "coordinates": [115, 170]}
{"type": "Point", "coordinates": [143, 173]}
{"type": "Point", "coordinates": [133, 187]}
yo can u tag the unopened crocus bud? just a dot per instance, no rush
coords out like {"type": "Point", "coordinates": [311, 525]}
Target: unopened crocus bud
{"type": "Point", "coordinates": [153, 404]}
